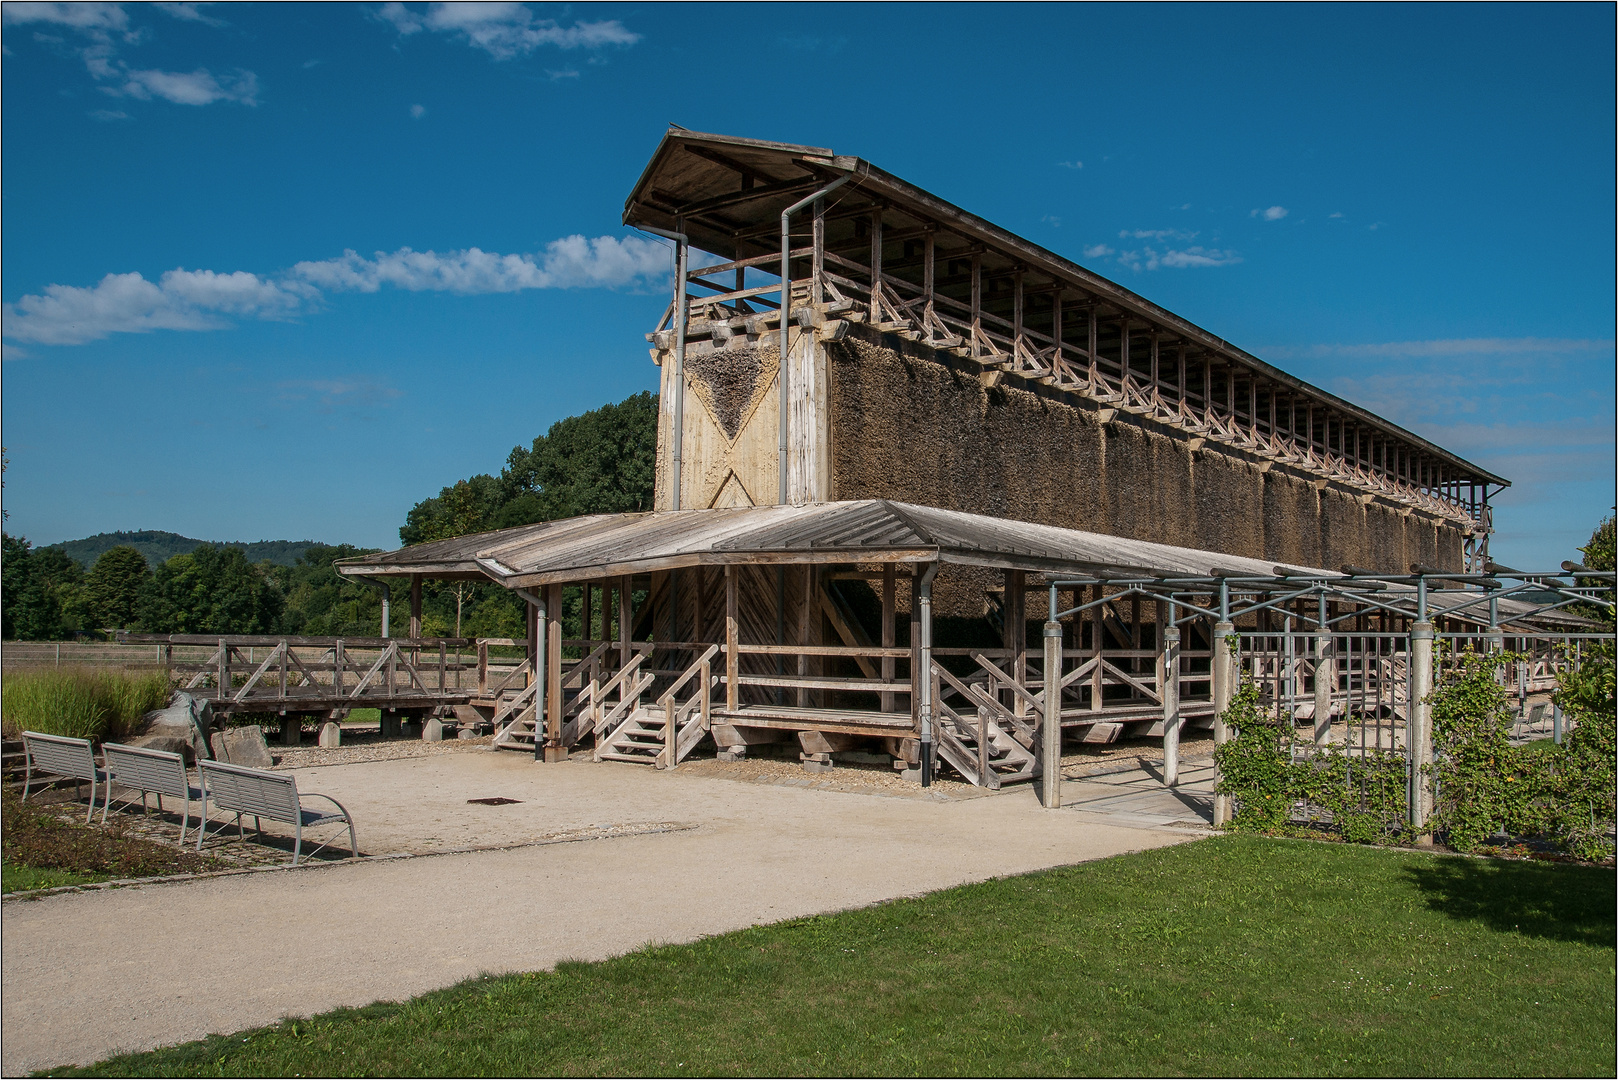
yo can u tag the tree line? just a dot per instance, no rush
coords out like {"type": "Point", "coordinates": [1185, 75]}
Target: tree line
{"type": "Point", "coordinates": [602, 461]}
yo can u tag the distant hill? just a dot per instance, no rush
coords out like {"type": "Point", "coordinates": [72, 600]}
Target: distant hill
{"type": "Point", "coordinates": [161, 546]}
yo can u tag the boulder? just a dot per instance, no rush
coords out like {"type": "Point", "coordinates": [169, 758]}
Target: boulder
{"type": "Point", "coordinates": [433, 731]}
{"type": "Point", "coordinates": [244, 745]}
{"type": "Point", "coordinates": [181, 728]}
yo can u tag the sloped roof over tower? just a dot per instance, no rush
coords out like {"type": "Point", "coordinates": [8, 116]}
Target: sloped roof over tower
{"type": "Point", "coordinates": [727, 195]}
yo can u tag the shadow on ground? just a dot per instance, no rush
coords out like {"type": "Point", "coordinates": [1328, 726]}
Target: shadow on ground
{"type": "Point", "coordinates": [1547, 900]}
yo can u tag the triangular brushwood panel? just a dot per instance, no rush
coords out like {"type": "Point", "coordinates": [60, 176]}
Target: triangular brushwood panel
{"type": "Point", "coordinates": [731, 383]}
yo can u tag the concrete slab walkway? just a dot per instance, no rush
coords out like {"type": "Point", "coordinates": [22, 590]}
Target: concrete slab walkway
{"type": "Point", "coordinates": [90, 974]}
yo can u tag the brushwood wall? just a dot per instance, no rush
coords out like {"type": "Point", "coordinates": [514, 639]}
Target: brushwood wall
{"type": "Point", "coordinates": [914, 425]}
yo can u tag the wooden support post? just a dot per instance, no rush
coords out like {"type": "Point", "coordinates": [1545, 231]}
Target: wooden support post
{"type": "Point", "coordinates": [977, 300]}
{"type": "Point", "coordinates": [1170, 688]}
{"type": "Point", "coordinates": [1050, 728]}
{"type": "Point", "coordinates": [587, 613]}
{"type": "Point", "coordinates": [876, 266]}
{"type": "Point", "coordinates": [224, 670]}
{"type": "Point", "coordinates": [806, 615]}
{"type": "Point", "coordinates": [732, 641]}
{"type": "Point", "coordinates": [337, 670]}
{"type": "Point", "coordinates": [1096, 622]}
{"type": "Point", "coordinates": [889, 584]}
{"type": "Point", "coordinates": [1420, 711]}
{"type": "Point", "coordinates": [626, 616]}
{"type": "Point", "coordinates": [554, 750]}
{"type": "Point", "coordinates": [483, 667]}
{"type": "Point", "coordinates": [1325, 681]}
{"type": "Point", "coordinates": [1015, 634]}
{"type": "Point", "coordinates": [415, 605]}
{"type": "Point", "coordinates": [1224, 671]}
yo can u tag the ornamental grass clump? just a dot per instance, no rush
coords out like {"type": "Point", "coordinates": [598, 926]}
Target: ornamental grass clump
{"type": "Point", "coordinates": [78, 702]}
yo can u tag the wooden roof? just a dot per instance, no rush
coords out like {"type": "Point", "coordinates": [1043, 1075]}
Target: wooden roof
{"type": "Point", "coordinates": [871, 530]}
{"type": "Point", "coordinates": [728, 193]}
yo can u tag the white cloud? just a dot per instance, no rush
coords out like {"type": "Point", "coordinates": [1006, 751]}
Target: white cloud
{"type": "Point", "coordinates": [128, 303]}
{"type": "Point", "coordinates": [1150, 258]}
{"type": "Point", "coordinates": [1071, 164]}
{"type": "Point", "coordinates": [188, 13]}
{"type": "Point", "coordinates": [558, 76]}
{"type": "Point", "coordinates": [417, 112]}
{"type": "Point", "coordinates": [1335, 214]}
{"type": "Point", "coordinates": [1097, 251]}
{"type": "Point", "coordinates": [1156, 234]}
{"type": "Point", "coordinates": [1450, 347]}
{"type": "Point", "coordinates": [99, 19]}
{"type": "Point", "coordinates": [106, 26]}
{"type": "Point", "coordinates": [504, 30]}
{"type": "Point", "coordinates": [109, 115]}
{"type": "Point", "coordinates": [198, 87]}
{"type": "Point", "coordinates": [204, 300]}
{"type": "Point", "coordinates": [1274, 213]}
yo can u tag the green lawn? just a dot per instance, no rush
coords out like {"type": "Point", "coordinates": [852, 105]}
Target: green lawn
{"type": "Point", "coordinates": [1235, 955]}
{"type": "Point", "coordinates": [17, 878]}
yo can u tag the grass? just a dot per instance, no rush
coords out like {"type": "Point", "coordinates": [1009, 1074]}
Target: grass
{"type": "Point", "coordinates": [15, 877]}
{"type": "Point", "coordinates": [41, 848]}
{"type": "Point", "coordinates": [83, 703]}
{"type": "Point", "coordinates": [1236, 955]}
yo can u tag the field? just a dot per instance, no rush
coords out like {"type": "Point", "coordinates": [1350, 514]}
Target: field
{"type": "Point", "coordinates": [1235, 955]}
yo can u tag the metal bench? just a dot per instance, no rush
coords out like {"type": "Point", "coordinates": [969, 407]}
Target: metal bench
{"type": "Point", "coordinates": [60, 756]}
{"type": "Point", "coordinates": [259, 793]}
{"type": "Point", "coordinates": [155, 772]}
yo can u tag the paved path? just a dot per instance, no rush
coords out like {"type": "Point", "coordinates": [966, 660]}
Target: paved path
{"type": "Point", "coordinates": [89, 974]}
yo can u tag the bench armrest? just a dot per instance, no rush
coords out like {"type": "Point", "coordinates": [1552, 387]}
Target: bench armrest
{"type": "Point", "coordinates": [302, 795]}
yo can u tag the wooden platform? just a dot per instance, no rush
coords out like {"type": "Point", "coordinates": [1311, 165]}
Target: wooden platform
{"type": "Point", "coordinates": [841, 721]}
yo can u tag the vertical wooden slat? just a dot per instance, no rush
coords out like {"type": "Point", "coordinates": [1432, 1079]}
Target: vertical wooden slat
{"type": "Point", "coordinates": [553, 665]}
{"type": "Point", "coordinates": [732, 640]}
{"type": "Point", "coordinates": [889, 584]}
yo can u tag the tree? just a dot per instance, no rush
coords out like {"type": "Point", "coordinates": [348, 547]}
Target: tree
{"type": "Point", "coordinates": [115, 586]}
{"type": "Point", "coordinates": [599, 462]}
{"type": "Point", "coordinates": [44, 592]}
{"type": "Point", "coordinates": [213, 590]}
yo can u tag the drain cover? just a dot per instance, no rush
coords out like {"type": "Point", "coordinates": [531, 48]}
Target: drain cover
{"type": "Point", "coordinates": [496, 801]}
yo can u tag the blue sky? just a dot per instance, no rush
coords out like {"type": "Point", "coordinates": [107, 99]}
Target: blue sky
{"type": "Point", "coordinates": [280, 271]}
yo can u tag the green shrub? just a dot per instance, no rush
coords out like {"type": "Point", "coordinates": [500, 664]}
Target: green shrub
{"type": "Point", "coordinates": [80, 703]}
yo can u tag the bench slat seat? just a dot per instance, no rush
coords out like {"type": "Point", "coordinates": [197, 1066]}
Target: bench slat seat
{"type": "Point", "coordinates": [259, 793]}
{"type": "Point", "coordinates": [58, 755]}
{"type": "Point", "coordinates": [157, 772]}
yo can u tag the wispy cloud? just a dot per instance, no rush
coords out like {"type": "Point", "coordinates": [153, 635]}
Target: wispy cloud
{"type": "Point", "coordinates": [203, 300]}
{"type": "Point", "coordinates": [1075, 164]}
{"type": "Point", "coordinates": [329, 395]}
{"type": "Point", "coordinates": [108, 116]}
{"type": "Point", "coordinates": [1274, 213]}
{"type": "Point", "coordinates": [417, 112]}
{"type": "Point", "coordinates": [1156, 234]}
{"type": "Point", "coordinates": [199, 87]}
{"type": "Point", "coordinates": [1450, 347]}
{"type": "Point", "coordinates": [1097, 251]}
{"type": "Point", "coordinates": [105, 29]}
{"type": "Point", "coordinates": [1151, 258]}
{"type": "Point", "coordinates": [189, 13]}
{"type": "Point", "coordinates": [504, 30]}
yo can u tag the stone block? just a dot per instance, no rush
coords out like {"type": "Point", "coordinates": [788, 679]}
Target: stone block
{"type": "Point", "coordinates": [816, 762]}
{"type": "Point", "coordinates": [825, 742]}
{"type": "Point", "coordinates": [432, 731]}
{"type": "Point", "coordinates": [466, 733]}
{"type": "Point", "coordinates": [331, 735]}
{"type": "Point", "coordinates": [244, 745]}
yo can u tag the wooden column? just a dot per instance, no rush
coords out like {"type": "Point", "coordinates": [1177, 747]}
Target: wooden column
{"type": "Point", "coordinates": [626, 616]}
{"type": "Point", "coordinates": [1096, 629]}
{"type": "Point", "coordinates": [1170, 688]}
{"type": "Point", "coordinates": [889, 585]}
{"type": "Point", "coordinates": [732, 639]}
{"type": "Point", "coordinates": [806, 615]}
{"type": "Point", "coordinates": [876, 265]}
{"type": "Point", "coordinates": [415, 605]}
{"type": "Point", "coordinates": [916, 673]}
{"type": "Point", "coordinates": [554, 750]}
{"type": "Point", "coordinates": [587, 613]}
{"type": "Point", "coordinates": [1015, 634]}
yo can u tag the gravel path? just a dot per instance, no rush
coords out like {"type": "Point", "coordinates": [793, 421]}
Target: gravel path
{"type": "Point", "coordinates": [88, 974]}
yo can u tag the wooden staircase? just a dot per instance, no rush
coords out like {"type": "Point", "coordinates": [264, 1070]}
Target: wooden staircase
{"type": "Point", "coordinates": [662, 734]}
{"type": "Point", "coordinates": [984, 741]}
